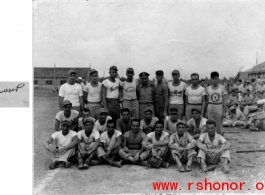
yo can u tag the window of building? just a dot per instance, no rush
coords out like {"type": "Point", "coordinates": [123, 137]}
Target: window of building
{"type": "Point", "coordinates": [48, 82]}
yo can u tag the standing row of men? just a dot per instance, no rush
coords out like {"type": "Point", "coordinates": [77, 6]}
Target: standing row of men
{"type": "Point", "coordinates": [137, 95]}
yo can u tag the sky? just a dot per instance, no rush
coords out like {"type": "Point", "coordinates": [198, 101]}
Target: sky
{"type": "Point", "coordinates": [191, 36]}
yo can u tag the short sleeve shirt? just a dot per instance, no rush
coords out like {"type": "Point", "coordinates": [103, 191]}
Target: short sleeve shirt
{"type": "Point", "coordinates": [93, 93]}
{"type": "Point", "coordinates": [176, 93]}
{"type": "Point", "coordinates": [104, 138]}
{"type": "Point", "coordinates": [216, 143]}
{"type": "Point", "coordinates": [182, 141]}
{"type": "Point", "coordinates": [61, 117]}
{"type": "Point", "coordinates": [88, 140]}
{"type": "Point", "coordinates": [195, 96]}
{"type": "Point", "coordinates": [152, 139]}
{"type": "Point", "coordinates": [192, 123]}
{"type": "Point", "coordinates": [71, 93]}
{"type": "Point", "coordinates": [112, 88]}
{"type": "Point", "coordinates": [216, 95]}
{"type": "Point", "coordinates": [101, 128]}
{"type": "Point", "coordinates": [63, 140]}
{"type": "Point", "coordinates": [129, 90]}
{"type": "Point", "coordinates": [143, 125]}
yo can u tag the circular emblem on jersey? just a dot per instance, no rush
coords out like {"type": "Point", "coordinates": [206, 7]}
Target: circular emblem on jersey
{"type": "Point", "coordinates": [215, 97]}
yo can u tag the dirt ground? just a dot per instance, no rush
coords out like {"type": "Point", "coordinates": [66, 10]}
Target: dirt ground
{"type": "Point", "coordinates": [103, 179]}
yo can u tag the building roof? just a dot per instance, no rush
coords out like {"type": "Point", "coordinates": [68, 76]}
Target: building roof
{"type": "Point", "coordinates": [41, 72]}
{"type": "Point", "coordinates": [257, 69]}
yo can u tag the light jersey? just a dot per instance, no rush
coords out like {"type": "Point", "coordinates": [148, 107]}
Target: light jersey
{"type": "Point", "coordinates": [176, 92]}
{"type": "Point", "coordinates": [182, 141]}
{"type": "Point", "coordinates": [104, 138]}
{"type": "Point", "coordinates": [152, 139]}
{"type": "Point", "coordinates": [81, 124]}
{"type": "Point", "coordinates": [260, 101]}
{"type": "Point", "coordinates": [112, 88]}
{"type": "Point", "coordinates": [143, 125]}
{"type": "Point", "coordinates": [101, 128]}
{"type": "Point", "coordinates": [93, 93]}
{"type": "Point", "coordinates": [216, 143]}
{"type": "Point", "coordinates": [172, 127]}
{"type": "Point", "coordinates": [239, 115]}
{"type": "Point", "coordinates": [88, 140]}
{"type": "Point", "coordinates": [195, 96]}
{"type": "Point", "coordinates": [62, 140]}
{"type": "Point", "coordinates": [129, 90]}
{"type": "Point", "coordinates": [71, 93]}
{"type": "Point", "coordinates": [216, 95]}
{"type": "Point", "coordinates": [61, 117]}
{"type": "Point", "coordinates": [192, 123]}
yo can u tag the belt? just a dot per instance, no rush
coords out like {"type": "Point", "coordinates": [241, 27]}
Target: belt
{"type": "Point", "coordinates": [112, 99]}
{"type": "Point", "coordinates": [217, 103]}
{"type": "Point", "coordinates": [148, 103]}
{"type": "Point", "coordinates": [198, 104]}
{"type": "Point", "coordinates": [130, 100]}
{"type": "Point", "coordinates": [94, 102]}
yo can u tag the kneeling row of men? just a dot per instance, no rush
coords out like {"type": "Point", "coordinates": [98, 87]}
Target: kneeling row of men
{"type": "Point", "coordinates": [154, 150]}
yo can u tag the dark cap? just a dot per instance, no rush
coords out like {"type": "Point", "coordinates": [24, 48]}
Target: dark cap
{"type": "Point", "coordinates": [130, 69]}
{"type": "Point", "coordinates": [197, 109]}
{"type": "Point", "coordinates": [103, 110]}
{"type": "Point", "coordinates": [93, 71]}
{"type": "Point", "coordinates": [143, 74]}
{"type": "Point", "coordinates": [71, 72]}
{"type": "Point", "coordinates": [173, 110]}
{"type": "Point", "coordinates": [148, 109]}
{"type": "Point", "coordinates": [88, 119]}
{"type": "Point", "coordinates": [159, 72]}
{"type": "Point", "coordinates": [66, 122]}
{"type": "Point", "coordinates": [234, 90]}
{"type": "Point", "coordinates": [66, 102]}
{"type": "Point", "coordinates": [113, 68]}
{"type": "Point", "coordinates": [175, 72]}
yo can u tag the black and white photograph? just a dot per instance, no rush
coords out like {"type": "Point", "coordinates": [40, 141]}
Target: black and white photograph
{"type": "Point", "coordinates": [148, 97]}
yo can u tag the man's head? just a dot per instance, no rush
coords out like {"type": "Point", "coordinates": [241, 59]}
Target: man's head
{"type": "Point", "coordinates": [239, 82]}
{"type": "Point", "coordinates": [110, 126]}
{"type": "Point", "coordinates": [94, 75]}
{"type": "Point", "coordinates": [148, 114]}
{"type": "Point", "coordinates": [211, 127]}
{"type": "Point", "coordinates": [243, 93]}
{"type": "Point", "coordinates": [113, 72]}
{"type": "Point", "coordinates": [71, 76]}
{"type": "Point", "coordinates": [173, 113]}
{"type": "Point", "coordinates": [196, 113]}
{"type": "Point", "coordinates": [260, 94]}
{"type": "Point", "coordinates": [248, 91]}
{"type": "Point", "coordinates": [234, 93]}
{"type": "Point", "coordinates": [103, 113]}
{"type": "Point", "coordinates": [89, 124]}
{"type": "Point", "coordinates": [202, 82]}
{"type": "Point", "coordinates": [86, 112]}
{"type": "Point", "coordinates": [194, 79]}
{"type": "Point", "coordinates": [67, 106]}
{"type": "Point", "coordinates": [135, 125]}
{"type": "Point", "coordinates": [215, 78]}
{"type": "Point", "coordinates": [159, 75]}
{"type": "Point", "coordinates": [175, 75]}
{"type": "Point", "coordinates": [80, 80]}
{"type": "Point", "coordinates": [144, 78]}
{"type": "Point", "coordinates": [125, 114]}
{"type": "Point", "coordinates": [181, 127]}
{"type": "Point", "coordinates": [130, 73]}
{"type": "Point", "coordinates": [65, 126]}
{"type": "Point", "coordinates": [248, 82]}
{"type": "Point", "coordinates": [159, 126]}
{"type": "Point", "coordinates": [260, 107]}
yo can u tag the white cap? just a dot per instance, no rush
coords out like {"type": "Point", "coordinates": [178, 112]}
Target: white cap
{"type": "Point", "coordinates": [80, 78]}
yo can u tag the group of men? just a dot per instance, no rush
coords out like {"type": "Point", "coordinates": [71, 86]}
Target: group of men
{"type": "Point", "coordinates": [136, 121]}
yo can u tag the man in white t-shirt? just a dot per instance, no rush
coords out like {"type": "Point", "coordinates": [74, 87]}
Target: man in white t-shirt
{"type": "Point", "coordinates": [236, 119]}
{"type": "Point", "coordinates": [212, 148]}
{"type": "Point", "coordinates": [71, 91]}
{"type": "Point", "coordinates": [67, 114]}
{"type": "Point", "coordinates": [110, 93]}
{"type": "Point", "coordinates": [195, 96]}
{"type": "Point", "coordinates": [66, 141]}
{"type": "Point", "coordinates": [147, 124]}
{"type": "Point", "coordinates": [170, 122]}
{"type": "Point", "coordinates": [217, 101]}
{"type": "Point", "coordinates": [86, 114]}
{"type": "Point", "coordinates": [176, 93]}
{"type": "Point", "coordinates": [129, 93]}
{"type": "Point", "coordinates": [111, 144]}
{"type": "Point", "coordinates": [92, 94]}
{"type": "Point", "coordinates": [89, 143]}
{"type": "Point", "coordinates": [197, 124]}
{"type": "Point", "coordinates": [101, 124]}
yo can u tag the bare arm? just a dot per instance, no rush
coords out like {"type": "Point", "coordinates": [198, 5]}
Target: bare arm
{"type": "Point", "coordinates": [118, 126]}
{"type": "Point", "coordinates": [227, 146]}
{"type": "Point", "coordinates": [145, 143]}
{"type": "Point", "coordinates": [225, 104]}
{"type": "Point", "coordinates": [163, 142]}
{"type": "Point", "coordinates": [47, 146]}
{"type": "Point", "coordinates": [165, 89]}
{"type": "Point", "coordinates": [74, 142]}
{"type": "Point", "coordinates": [75, 125]}
{"type": "Point", "coordinates": [81, 103]}
{"type": "Point", "coordinates": [85, 97]}
{"type": "Point", "coordinates": [61, 102]}
{"type": "Point", "coordinates": [201, 146]}
{"type": "Point", "coordinates": [203, 104]}
{"type": "Point", "coordinates": [95, 147]}
{"type": "Point", "coordinates": [117, 144]}
{"type": "Point", "coordinates": [103, 95]}
{"type": "Point", "coordinates": [57, 125]}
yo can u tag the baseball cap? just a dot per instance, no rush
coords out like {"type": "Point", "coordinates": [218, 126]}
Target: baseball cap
{"type": "Point", "coordinates": [88, 119]}
{"type": "Point", "coordinates": [180, 122]}
{"type": "Point", "coordinates": [130, 69]}
{"type": "Point", "coordinates": [159, 72]}
{"type": "Point", "coordinates": [66, 102]}
{"type": "Point", "coordinates": [175, 72]}
{"type": "Point", "coordinates": [232, 107]}
{"type": "Point", "coordinates": [197, 109]}
{"type": "Point", "coordinates": [173, 110]}
{"type": "Point", "coordinates": [102, 110]}
{"type": "Point", "coordinates": [93, 71]}
{"type": "Point", "coordinates": [248, 81]}
{"type": "Point", "coordinates": [143, 74]}
{"type": "Point", "coordinates": [80, 78]}
{"type": "Point", "coordinates": [71, 72]}
{"type": "Point", "coordinates": [113, 68]}
{"type": "Point", "coordinates": [66, 122]}
{"type": "Point", "coordinates": [148, 109]}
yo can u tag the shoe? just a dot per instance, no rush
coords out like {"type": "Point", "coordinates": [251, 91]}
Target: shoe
{"type": "Point", "coordinates": [204, 168]}
{"type": "Point", "coordinates": [211, 168]}
{"type": "Point", "coordinates": [66, 164]}
{"type": "Point", "coordinates": [225, 169]}
{"type": "Point", "coordinates": [80, 164]}
{"type": "Point", "coordinates": [145, 164]}
{"type": "Point", "coordinates": [86, 166]}
{"type": "Point", "coordinates": [188, 168]}
{"type": "Point", "coordinates": [54, 165]}
{"type": "Point", "coordinates": [181, 168]}
{"type": "Point", "coordinates": [165, 165]}
{"type": "Point", "coordinates": [116, 164]}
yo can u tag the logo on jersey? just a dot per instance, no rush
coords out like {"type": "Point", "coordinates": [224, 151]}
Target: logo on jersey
{"type": "Point", "coordinates": [130, 89]}
{"type": "Point", "coordinates": [215, 97]}
{"type": "Point", "coordinates": [113, 88]}
{"type": "Point", "coordinates": [176, 93]}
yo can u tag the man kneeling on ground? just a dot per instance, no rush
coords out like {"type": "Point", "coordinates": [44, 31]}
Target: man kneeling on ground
{"type": "Point", "coordinates": [181, 146]}
{"type": "Point", "coordinates": [132, 144]}
{"type": "Point", "coordinates": [111, 144]}
{"type": "Point", "coordinates": [89, 143]}
{"type": "Point", "coordinates": [156, 145]}
{"type": "Point", "coordinates": [213, 147]}
{"type": "Point", "coordinates": [66, 141]}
